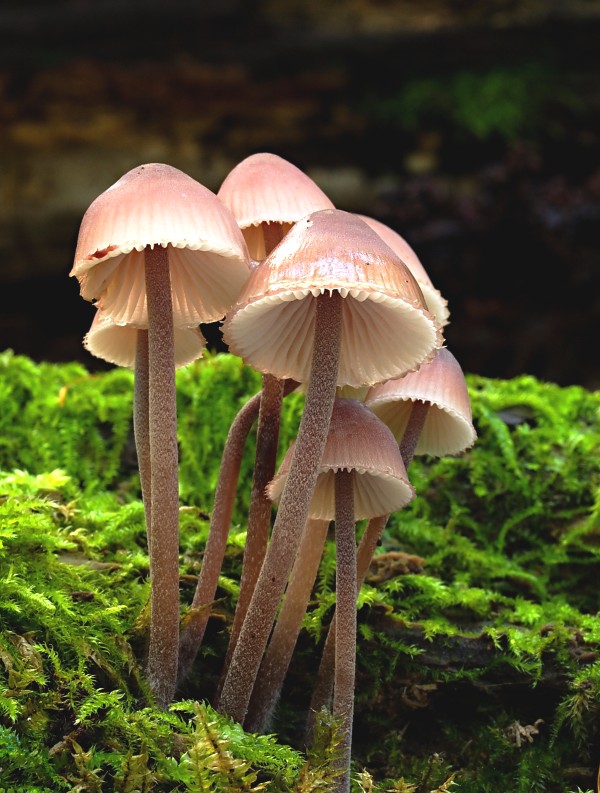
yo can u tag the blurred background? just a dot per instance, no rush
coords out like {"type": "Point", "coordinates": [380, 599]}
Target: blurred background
{"type": "Point", "coordinates": [472, 128]}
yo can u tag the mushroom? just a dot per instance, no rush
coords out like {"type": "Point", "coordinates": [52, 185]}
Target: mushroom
{"type": "Point", "coordinates": [428, 412]}
{"type": "Point", "coordinates": [158, 250]}
{"type": "Point", "coordinates": [118, 343]}
{"type": "Point", "coordinates": [437, 304]}
{"type": "Point", "coordinates": [338, 307]}
{"type": "Point", "coordinates": [267, 195]}
{"type": "Point", "coordinates": [359, 444]}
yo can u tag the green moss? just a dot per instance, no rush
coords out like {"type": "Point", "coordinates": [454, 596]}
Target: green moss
{"type": "Point", "coordinates": [481, 673]}
{"type": "Point", "coordinates": [506, 101]}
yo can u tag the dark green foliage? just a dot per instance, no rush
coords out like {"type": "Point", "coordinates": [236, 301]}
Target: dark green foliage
{"type": "Point", "coordinates": [480, 674]}
{"type": "Point", "coordinates": [508, 102]}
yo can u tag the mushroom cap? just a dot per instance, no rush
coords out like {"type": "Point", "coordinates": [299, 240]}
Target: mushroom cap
{"type": "Point", "coordinates": [265, 188]}
{"type": "Point", "coordinates": [437, 304]}
{"type": "Point", "coordinates": [448, 427]}
{"type": "Point", "coordinates": [117, 343]}
{"type": "Point", "coordinates": [156, 204]}
{"type": "Point", "coordinates": [357, 441]}
{"type": "Point", "coordinates": [386, 329]}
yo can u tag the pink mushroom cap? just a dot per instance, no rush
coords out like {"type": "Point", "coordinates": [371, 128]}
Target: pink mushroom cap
{"type": "Point", "coordinates": [357, 441]}
{"type": "Point", "coordinates": [156, 204]}
{"type": "Point", "coordinates": [117, 343]}
{"type": "Point", "coordinates": [448, 427]}
{"type": "Point", "coordinates": [437, 304]}
{"type": "Point", "coordinates": [386, 330]}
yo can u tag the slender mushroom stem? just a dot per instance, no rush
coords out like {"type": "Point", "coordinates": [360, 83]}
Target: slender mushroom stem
{"type": "Point", "coordinates": [141, 428]}
{"type": "Point", "coordinates": [412, 432]}
{"type": "Point", "coordinates": [345, 637]}
{"type": "Point", "coordinates": [289, 621]}
{"type": "Point", "coordinates": [220, 521]}
{"type": "Point", "coordinates": [323, 689]}
{"type": "Point", "coordinates": [293, 508]}
{"type": "Point", "coordinates": [164, 484]}
{"type": "Point", "coordinates": [259, 515]}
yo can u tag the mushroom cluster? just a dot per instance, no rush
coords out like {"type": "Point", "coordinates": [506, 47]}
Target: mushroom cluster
{"type": "Point", "coordinates": [312, 297]}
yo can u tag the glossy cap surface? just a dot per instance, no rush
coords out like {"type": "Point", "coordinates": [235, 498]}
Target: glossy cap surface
{"type": "Point", "coordinates": [386, 329]}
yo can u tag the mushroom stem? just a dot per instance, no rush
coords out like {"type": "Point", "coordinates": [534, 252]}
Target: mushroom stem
{"type": "Point", "coordinates": [259, 515]}
{"type": "Point", "coordinates": [273, 233]}
{"type": "Point", "coordinates": [164, 484]}
{"type": "Point", "coordinates": [214, 552]}
{"type": "Point", "coordinates": [293, 508]}
{"type": "Point", "coordinates": [345, 637]}
{"type": "Point", "coordinates": [141, 428]}
{"type": "Point", "coordinates": [321, 696]}
{"type": "Point", "coordinates": [412, 432]}
{"type": "Point", "coordinates": [220, 520]}
{"type": "Point", "coordinates": [289, 621]}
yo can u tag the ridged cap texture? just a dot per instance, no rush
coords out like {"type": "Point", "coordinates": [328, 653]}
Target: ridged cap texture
{"type": "Point", "coordinates": [448, 427]}
{"type": "Point", "coordinates": [357, 441]}
{"type": "Point", "coordinates": [386, 330]}
{"type": "Point", "coordinates": [156, 204]}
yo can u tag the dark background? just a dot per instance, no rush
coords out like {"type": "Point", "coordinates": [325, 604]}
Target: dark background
{"type": "Point", "coordinates": [472, 128]}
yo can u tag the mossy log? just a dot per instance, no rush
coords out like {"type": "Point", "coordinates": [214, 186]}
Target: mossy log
{"type": "Point", "coordinates": [477, 666]}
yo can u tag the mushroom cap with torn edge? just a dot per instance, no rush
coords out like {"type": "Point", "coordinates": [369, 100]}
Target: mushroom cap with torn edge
{"type": "Point", "coordinates": [158, 205]}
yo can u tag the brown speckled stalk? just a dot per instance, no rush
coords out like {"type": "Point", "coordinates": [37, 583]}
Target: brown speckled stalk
{"type": "Point", "coordinates": [214, 551]}
{"type": "Point", "coordinates": [413, 430]}
{"type": "Point", "coordinates": [321, 696]}
{"type": "Point", "coordinates": [141, 428]}
{"type": "Point", "coordinates": [345, 637]}
{"type": "Point", "coordinates": [289, 621]}
{"type": "Point", "coordinates": [293, 509]}
{"type": "Point", "coordinates": [220, 521]}
{"type": "Point", "coordinates": [164, 531]}
{"type": "Point", "coordinates": [259, 515]}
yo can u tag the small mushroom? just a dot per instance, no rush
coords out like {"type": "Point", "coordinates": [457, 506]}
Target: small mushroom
{"type": "Point", "coordinates": [441, 388]}
{"type": "Point", "coordinates": [428, 412]}
{"type": "Point", "coordinates": [357, 442]}
{"type": "Point", "coordinates": [267, 195]}
{"type": "Point", "coordinates": [127, 346]}
{"type": "Point", "coordinates": [118, 343]}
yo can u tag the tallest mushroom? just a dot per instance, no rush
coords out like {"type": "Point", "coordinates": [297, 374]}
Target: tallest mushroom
{"type": "Point", "coordinates": [267, 195]}
{"type": "Point", "coordinates": [158, 250]}
{"type": "Point", "coordinates": [330, 306]}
